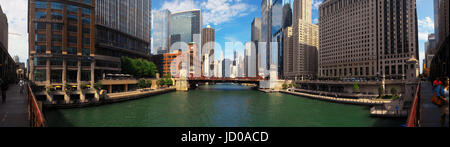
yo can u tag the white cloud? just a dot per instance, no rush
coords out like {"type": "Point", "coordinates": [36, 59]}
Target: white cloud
{"type": "Point", "coordinates": [426, 27]}
{"type": "Point", "coordinates": [16, 12]}
{"type": "Point", "coordinates": [180, 5]}
{"type": "Point", "coordinates": [316, 4]}
{"type": "Point", "coordinates": [214, 12]}
{"type": "Point", "coordinates": [315, 21]}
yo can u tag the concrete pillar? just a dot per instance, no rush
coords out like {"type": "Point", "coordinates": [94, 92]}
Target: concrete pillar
{"type": "Point", "coordinates": [47, 82]}
{"type": "Point", "coordinates": [126, 87]}
{"type": "Point", "coordinates": [110, 88]}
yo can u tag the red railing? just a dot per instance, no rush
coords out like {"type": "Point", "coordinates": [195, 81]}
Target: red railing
{"type": "Point", "coordinates": [224, 79]}
{"type": "Point", "coordinates": [414, 115]}
{"type": "Point", "coordinates": [35, 114]}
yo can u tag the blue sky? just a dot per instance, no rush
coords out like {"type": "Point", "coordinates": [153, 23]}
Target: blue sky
{"type": "Point", "coordinates": [237, 18]}
{"type": "Point", "coordinates": [230, 18]}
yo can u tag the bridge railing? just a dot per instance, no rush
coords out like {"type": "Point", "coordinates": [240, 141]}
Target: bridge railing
{"type": "Point", "coordinates": [414, 115]}
{"type": "Point", "coordinates": [36, 116]}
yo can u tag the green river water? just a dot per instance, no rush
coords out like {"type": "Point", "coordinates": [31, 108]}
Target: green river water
{"type": "Point", "coordinates": [222, 105]}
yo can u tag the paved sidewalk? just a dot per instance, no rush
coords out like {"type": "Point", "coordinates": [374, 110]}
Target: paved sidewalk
{"type": "Point", "coordinates": [14, 113]}
{"type": "Point", "coordinates": [429, 113]}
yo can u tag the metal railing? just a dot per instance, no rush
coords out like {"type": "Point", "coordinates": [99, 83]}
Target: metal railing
{"type": "Point", "coordinates": [36, 116]}
{"type": "Point", "coordinates": [414, 115]}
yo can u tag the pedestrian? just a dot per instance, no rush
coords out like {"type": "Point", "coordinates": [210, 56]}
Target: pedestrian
{"type": "Point", "coordinates": [439, 91]}
{"type": "Point", "coordinates": [446, 95]}
{"type": "Point", "coordinates": [3, 87]}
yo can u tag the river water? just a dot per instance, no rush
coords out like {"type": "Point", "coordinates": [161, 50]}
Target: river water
{"type": "Point", "coordinates": [222, 105]}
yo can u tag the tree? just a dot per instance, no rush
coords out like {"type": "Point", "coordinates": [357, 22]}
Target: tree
{"type": "Point", "coordinates": [394, 91]}
{"type": "Point", "coordinates": [356, 88]}
{"type": "Point", "coordinates": [138, 67]}
{"type": "Point", "coordinates": [295, 85]}
{"type": "Point", "coordinates": [142, 83]}
{"type": "Point", "coordinates": [285, 86]}
{"type": "Point", "coordinates": [381, 91]}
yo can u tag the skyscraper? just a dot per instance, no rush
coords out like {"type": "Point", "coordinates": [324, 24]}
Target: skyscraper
{"type": "Point", "coordinates": [61, 42]}
{"type": "Point", "coordinates": [430, 50]}
{"type": "Point", "coordinates": [266, 36]}
{"type": "Point", "coordinates": [301, 43]}
{"type": "Point", "coordinates": [256, 38]}
{"type": "Point", "coordinates": [360, 38]}
{"type": "Point", "coordinates": [185, 27]}
{"type": "Point", "coordinates": [160, 31]}
{"type": "Point", "coordinates": [3, 29]}
{"type": "Point", "coordinates": [208, 42]}
{"type": "Point", "coordinates": [123, 28]}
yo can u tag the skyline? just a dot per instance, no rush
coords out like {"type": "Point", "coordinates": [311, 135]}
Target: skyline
{"type": "Point", "coordinates": [233, 14]}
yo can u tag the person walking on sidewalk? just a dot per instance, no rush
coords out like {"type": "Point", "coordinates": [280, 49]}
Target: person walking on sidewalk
{"type": "Point", "coordinates": [3, 87]}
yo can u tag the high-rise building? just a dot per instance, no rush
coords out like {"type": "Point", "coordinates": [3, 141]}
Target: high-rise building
{"type": "Point", "coordinates": [185, 28]}
{"type": "Point", "coordinates": [208, 42]}
{"type": "Point", "coordinates": [61, 42]}
{"type": "Point", "coordinates": [360, 38]}
{"type": "Point", "coordinates": [436, 19]}
{"type": "Point", "coordinates": [430, 50]}
{"type": "Point", "coordinates": [227, 65]}
{"type": "Point", "coordinates": [443, 22]}
{"type": "Point", "coordinates": [266, 36]}
{"type": "Point", "coordinates": [250, 61]}
{"type": "Point", "coordinates": [160, 31]}
{"type": "Point", "coordinates": [3, 29]}
{"type": "Point", "coordinates": [123, 28]}
{"type": "Point", "coordinates": [256, 38]}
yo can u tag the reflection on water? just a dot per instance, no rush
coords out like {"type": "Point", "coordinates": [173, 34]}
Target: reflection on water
{"type": "Point", "coordinates": [221, 105]}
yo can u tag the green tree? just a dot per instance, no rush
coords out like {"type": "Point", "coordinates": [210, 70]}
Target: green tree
{"type": "Point", "coordinates": [394, 91]}
{"type": "Point", "coordinates": [142, 83]}
{"type": "Point", "coordinates": [356, 88]}
{"type": "Point", "coordinates": [285, 86]}
{"type": "Point", "coordinates": [138, 67]}
{"type": "Point", "coordinates": [381, 91]}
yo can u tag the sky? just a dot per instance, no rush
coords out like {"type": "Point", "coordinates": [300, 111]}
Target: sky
{"type": "Point", "coordinates": [230, 18]}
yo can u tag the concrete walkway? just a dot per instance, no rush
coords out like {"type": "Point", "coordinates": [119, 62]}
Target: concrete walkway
{"type": "Point", "coordinates": [368, 102]}
{"type": "Point", "coordinates": [14, 113]}
{"type": "Point", "coordinates": [429, 113]}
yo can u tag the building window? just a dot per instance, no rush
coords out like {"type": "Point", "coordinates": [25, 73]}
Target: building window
{"type": "Point", "coordinates": [71, 17]}
{"type": "Point", "coordinates": [40, 75]}
{"type": "Point", "coordinates": [56, 5]}
{"type": "Point", "coordinates": [71, 28]}
{"type": "Point", "coordinates": [56, 61]}
{"type": "Point", "coordinates": [86, 75]}
{"type": "Point", "coordinates": [57, 16]}
{"type": "Point", "coordinates": [71, 50]}
{"type": "Point", "coordinates": [57, 27]}
{"type": "Point", "coordinates": [86, 11]}
{"type": "Point", "coordinates": [40, 5]}
{"type": "Point", "coordinates": [56, 38]}
{"type": "Point", "coordinates": [40, 61]}
{"type": "Point", "coordinates": [40, 15]}
{"type": "Point", "coordinates": [56, 50]}
{"type": "Point", "coordinates": [86, 52]}
{"type": "Point", "coordinates": [86, 30]}
{"type": "Point", "coordinates": [56, 76]}
{"type": "Point", "coordinates": [86, 41]}
{"type": "Point", "coordinates": [40, 38]}
{"type": "Point", "coordinates": [86, 20]}
{"type": "Point", "coordinates": [40, 49]}
{"type": "Point", "coordinates": [89, 2]}
{"type": "Point", "coordinates": [72, 62]}
{"type": "Point", "coordinates": [39, 26]}
{"type": "Point", "coordinates": [72, 8]}
{"type": "Point", "coordinates": [72, 39]}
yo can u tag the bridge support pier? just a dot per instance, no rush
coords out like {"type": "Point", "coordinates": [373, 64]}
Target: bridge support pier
{"type": "Point", "coordinates": [182, 84]}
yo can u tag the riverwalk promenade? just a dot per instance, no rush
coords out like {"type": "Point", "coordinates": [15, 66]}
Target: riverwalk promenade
{"type": "Point", "coordinates": [368, 102]}
{"type": "Point", "coordinates": [116, 98]}
{"type": "Point", "coordinates": [14, 113]}
{"type": "Point", "coordinates": [429, 113]}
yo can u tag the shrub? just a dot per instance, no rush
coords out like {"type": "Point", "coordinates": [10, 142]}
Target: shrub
{"type": "Point", "coordinates": [394, 91]}
{"type": "Point", "coordinates": [285, 86]}
{"type": "Point", "coordinates": [356, 88]}
{"type": "Point", "coordinates": [142, 83]}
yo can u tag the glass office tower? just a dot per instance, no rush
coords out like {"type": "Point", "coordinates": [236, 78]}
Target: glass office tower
{"type": "Point", "coordinates": [161, 31]}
